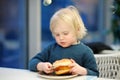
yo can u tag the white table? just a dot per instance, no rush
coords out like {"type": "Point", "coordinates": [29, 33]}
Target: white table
{"type": "Point", "coordinates": [21, 74]}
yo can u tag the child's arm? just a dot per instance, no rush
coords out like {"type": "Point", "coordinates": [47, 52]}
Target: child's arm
{"type": "Point", "coordinates": [40, 57]}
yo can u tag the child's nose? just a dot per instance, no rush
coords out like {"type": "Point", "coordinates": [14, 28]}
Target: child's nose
{"type": "Point", "coordinates": [61, 37]}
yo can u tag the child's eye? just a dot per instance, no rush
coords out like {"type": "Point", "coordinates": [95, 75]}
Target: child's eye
{"type": "Point", "coordinates": [56, 34]}
{"type": "Point", "coordinates": [65, 33]}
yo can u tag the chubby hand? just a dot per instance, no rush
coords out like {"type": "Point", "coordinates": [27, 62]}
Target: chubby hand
{"type": "Point", "coordinates": [77, 69]}
{"type": "Point", "coordinates": [45, 67]}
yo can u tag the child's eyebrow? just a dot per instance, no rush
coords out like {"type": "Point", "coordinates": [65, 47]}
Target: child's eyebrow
{"type": "Point", "coordinates": [55, 32]}
{"type": "Point", "coordinates": [62, 31]}
{"type": "Point", "coordinates": [65, 32]}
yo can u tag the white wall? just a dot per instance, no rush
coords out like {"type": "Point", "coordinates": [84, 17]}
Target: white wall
{"type": "Point", "coordinates": [34, 26]}
{"type": "Point", "coordinates": [108, 18]}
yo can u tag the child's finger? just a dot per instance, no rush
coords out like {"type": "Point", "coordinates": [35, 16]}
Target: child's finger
{"type": "Point", "coordinates": [73, 61]}
{"type": "Point", "coordinates": [49, 64]}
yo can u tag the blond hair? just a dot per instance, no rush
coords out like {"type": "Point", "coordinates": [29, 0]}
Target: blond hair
{"type": "Point", "coordinates": [69, 15]}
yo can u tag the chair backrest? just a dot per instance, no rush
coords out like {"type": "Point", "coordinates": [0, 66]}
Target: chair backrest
{"type": "Point", "coordinates": [108, 65]}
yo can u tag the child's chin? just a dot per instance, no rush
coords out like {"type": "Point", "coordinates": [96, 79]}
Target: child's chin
{"type": "Point", "coordinates": [65, 46]}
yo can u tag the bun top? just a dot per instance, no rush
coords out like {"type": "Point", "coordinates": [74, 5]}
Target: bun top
{"type": "Point", "coordinates": [62, 62]}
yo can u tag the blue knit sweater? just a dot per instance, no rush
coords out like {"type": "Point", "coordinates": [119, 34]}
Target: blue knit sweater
{"type": "Point", "coordinates": [82, 54]}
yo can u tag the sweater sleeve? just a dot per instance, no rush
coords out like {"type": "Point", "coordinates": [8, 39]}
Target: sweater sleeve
{"type": "Point", "coordinates": [90, 63]}
{"type": "Point", "coordinates": [40, 57]}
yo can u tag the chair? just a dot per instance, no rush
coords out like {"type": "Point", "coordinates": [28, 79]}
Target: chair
{"type": "Point", "coordinates": [108, 64]}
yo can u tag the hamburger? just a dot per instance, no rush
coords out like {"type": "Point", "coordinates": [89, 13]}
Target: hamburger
{"type": "Point", "coordinates": [61, 66]}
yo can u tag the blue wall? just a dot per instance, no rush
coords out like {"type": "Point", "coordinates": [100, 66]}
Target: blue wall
{"type": "Point", "coordinates": [13, 50]}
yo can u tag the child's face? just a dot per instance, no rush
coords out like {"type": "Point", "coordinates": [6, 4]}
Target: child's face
{"type": "Point", "coordinates": [64, 35]}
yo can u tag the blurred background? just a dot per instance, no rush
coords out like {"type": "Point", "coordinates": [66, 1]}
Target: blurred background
{"type": "Point", "coordinates": [24, 26]}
